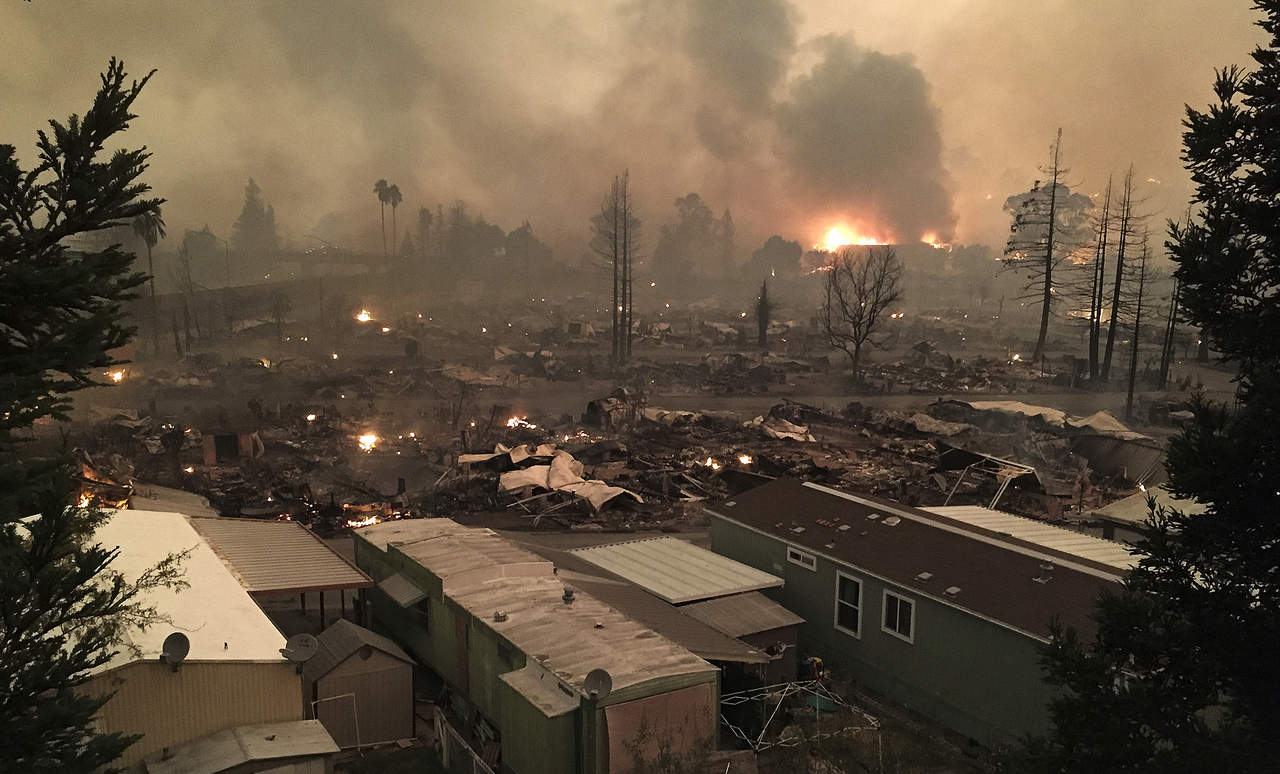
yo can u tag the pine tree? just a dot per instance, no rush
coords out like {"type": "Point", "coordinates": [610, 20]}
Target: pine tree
{"type": "Point", "coordinates": [63, 609]}
{"type": "Point", "coordinates": [1182, 673]}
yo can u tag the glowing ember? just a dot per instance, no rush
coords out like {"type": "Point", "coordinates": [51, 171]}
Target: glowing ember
{"type": "Point", "coordinates": [84, 501]}
{"type": "Point", "coordinates": [189, 469]}
{"type": "Point", "coordinates": [358, 523]}
{"type": "Point", "coordinates": [385, 329]}
{"type": "Point", "coordinates": [842, 236]}
{"type": "Point", "coordinates": [744, 459]}
{"type": "Point", "coordinates": [311, 417]}
{"type": "Point", "coordinates": [335, 355]}
{"type": "Point", "coordinates": [116, 376]}
{"type": "Point", "coordinates": [521, 422]}
{"type": "Point", "coordinates": [1016, 357]}
{"type": "Point", "coordinates": [711, 463]}
{"type": "Point", "coordinates": [367, 442]}
{"type": "Point", "coordinates": [364, 316]}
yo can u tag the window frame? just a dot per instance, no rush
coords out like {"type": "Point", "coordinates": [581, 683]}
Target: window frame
{"type": "Point", "coordinates": [835, 620]}
{"type": "Point", "coordinates": [802, 556]}
{"type": "Point", "coordinates": [884, 610]}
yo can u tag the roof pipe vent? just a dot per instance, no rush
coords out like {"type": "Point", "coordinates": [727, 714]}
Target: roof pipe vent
{"type": "Point", "coordinates": [500, 616]}
{"type": "Point", "coordinates": [568, 596]}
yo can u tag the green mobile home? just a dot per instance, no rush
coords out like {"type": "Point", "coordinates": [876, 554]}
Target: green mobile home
{"type": "Point", "coordinates": [515, 644]}
{"type": "Point", "coordinates": [941, 611]}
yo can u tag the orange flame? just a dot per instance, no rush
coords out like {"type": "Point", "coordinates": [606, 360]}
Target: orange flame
{"type": "Point", "coordinates": [843, 236]}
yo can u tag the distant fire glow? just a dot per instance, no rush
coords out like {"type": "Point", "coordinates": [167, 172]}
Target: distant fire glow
{"type": "Point", "coordinates": [366, 522]}
{"type": "Point", "coordinates": [931, 239]}
{"type": "Point", "coordinates": [117, 376]}
{"type": "Point", "coordinates": [367, 442]}
{"type": "Point", "coordinates": [364, 316]}
{"type": "Point", "coordinates": [311, 417]}
{"type": "Point", "coordinates": [711, 463]}
{"type": "Point", "coordinates": [744, 459]}
{"type": "Point", "coordinates": [843, 236]}
{"type": "Point", "coordinates": [521, 422]}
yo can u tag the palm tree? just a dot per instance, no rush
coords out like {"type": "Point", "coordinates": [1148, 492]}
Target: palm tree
{"type": "Point", "coordinates": [149, 226]}
{"type": "Point", "coordinates": [394, 198]}
{"type": "Point", "coordinates": [383, 190]}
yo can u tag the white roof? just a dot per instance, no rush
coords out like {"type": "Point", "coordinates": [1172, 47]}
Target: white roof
{"type": "Point", "coordinates": [218, 616]}
{"type": "Point", "coordinates": [238, 746]}
{"type": "Point", "coordinates": [1134, 508]}
{"type": "Point", "coordinates": [675, 570]}
{"type": "Point", "coordinates": [1040, 533]}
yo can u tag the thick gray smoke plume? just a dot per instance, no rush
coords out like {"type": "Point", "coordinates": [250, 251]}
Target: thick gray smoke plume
{"type": "Point", "coordinates": [525, 110]}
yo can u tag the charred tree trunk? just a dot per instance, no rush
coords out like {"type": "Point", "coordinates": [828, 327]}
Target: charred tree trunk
{"type": "Point", "coordinates": [1137, 335]}
{"type": "Point", "coordinates": [1047, 296]}
{"type": "Point", "coordinates": [177, 337]}
{"type": "Point", "coordinates": [1099, 282]}
{"type": "Point", "coordinates": [1170, 327]}
{"type": "Point", "coordinates": [1126, 228]}
{"type": "Point", "coordinates": [155, 309]}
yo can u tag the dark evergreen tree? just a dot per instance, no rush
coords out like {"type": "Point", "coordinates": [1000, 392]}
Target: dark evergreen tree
{"type": "Point", "coordinates": [63, 610]}
{"type": "Point", "coordinates": [1182, 674]}
{"type": "Point", "coordinates": [255, 229]}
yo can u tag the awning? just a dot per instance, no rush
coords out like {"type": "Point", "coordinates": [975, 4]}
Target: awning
{"type": "Point", "coordinates": [402, 590]}
{"type": "Point", "coordinates": [253, 549]}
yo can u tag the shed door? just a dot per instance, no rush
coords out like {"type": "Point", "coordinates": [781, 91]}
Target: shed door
{"type": "Point", "coordinates": [338, 716]}
{"type": "Point", "coordinates": [462, 636]}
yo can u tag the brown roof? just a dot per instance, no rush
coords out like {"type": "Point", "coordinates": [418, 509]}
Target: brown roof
{"type": "Point", "coordinates": [742, 614]}
{"type": "Point", "coordinates": [337, 643]}
{"type": "Point", "coordinates": [995, 573]}
{"type": "Point", "coordinates": [279, 556]}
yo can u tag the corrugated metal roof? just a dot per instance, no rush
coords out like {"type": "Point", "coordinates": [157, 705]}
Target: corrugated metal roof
{"type": "Point", "coordinates": [279, 556]}
{"type": "Point", "coordinates": [339, 642]}
{"type": "Point", "coordinates": [401, 590]}
{"type": "Point", "coordinates": [485, 575]}
{"type": "Point", "coordinates": [677, 571]}
{"type": "Point", "coordinates": [1040, 533]}
{"type": "Point", "coordinates": [246, 744]}
{"type": "Point", "coordinates": [742, 614]}
{"type": "Point", "coordinates": [631, 600]}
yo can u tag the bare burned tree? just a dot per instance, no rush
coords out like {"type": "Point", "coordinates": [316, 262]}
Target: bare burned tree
{"type": "Point", "coordinates": [1048, 226]}
{"type": "Point", "coordinates": [860, 289]}
{"type": "Point", "coordinates": [615, 231]}
{"type": "Point", "coordinates": [1127, 239]}
{"type": "Point", "coordinates": [1140, 270]}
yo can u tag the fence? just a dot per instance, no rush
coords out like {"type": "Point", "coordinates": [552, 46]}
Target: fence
{"type": "Point", "coordinates": [456, 754]}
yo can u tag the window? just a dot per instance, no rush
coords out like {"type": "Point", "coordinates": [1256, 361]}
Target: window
{"type": "Point", "coordinates": [807, 561]}
{"type": "Point", "coordinates": [848, 604]}
{"type": "Point", "coordinates": [423, 612]}
{"type": "Point", "coordinates": [899, 616]}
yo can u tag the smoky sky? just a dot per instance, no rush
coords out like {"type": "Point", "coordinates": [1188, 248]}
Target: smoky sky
{"type": "Point", "coordinates": [904, 116]}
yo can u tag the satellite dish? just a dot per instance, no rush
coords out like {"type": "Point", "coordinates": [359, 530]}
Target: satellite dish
{"type": "Point", "coordinates": [598, 683]}
{"type": "Point", "coordinates": [175, 649]}
{"type": "Point", "coordinates": [300, 648]}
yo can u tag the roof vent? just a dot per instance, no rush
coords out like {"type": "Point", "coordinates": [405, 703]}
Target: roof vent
{"type": "Point", "coordinates": [951, 591]}
{"type": "Point", "coordinates": [568, 596]}
{"type": "Point", "coordinates": [829, 546]}
{"type": "Point", "coordinates": [873, 515]}
{"type": "Point", "coordinates": [731, 503]}
{"type": "Point", "coordinates": [599, 624]}
{"type": "Point", "coordinates": [1046, 566]}
{"type": "Point", "coordinates": [797, 530]}
{"type": "Point", "coordinates": [924, 576]}
{"type": "Point", "coordinates": [500, 616]}
{"type": "Point", "coordinates": [844, 527]}
{"type": "Point", "coordinates": [892, 521]}
{"type": "Point", "coordinates": [1042, 579]}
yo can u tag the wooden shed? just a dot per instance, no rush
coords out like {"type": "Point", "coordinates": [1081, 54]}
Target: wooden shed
{"type": "Point", "coordinates": [360, 686]}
